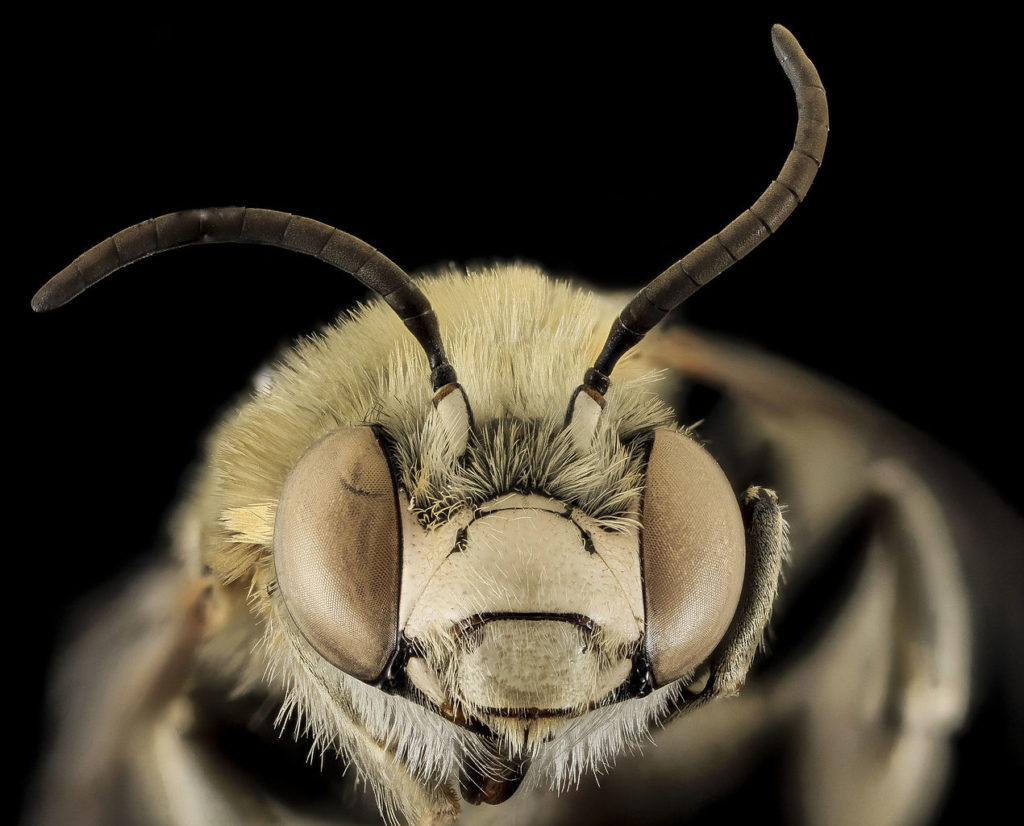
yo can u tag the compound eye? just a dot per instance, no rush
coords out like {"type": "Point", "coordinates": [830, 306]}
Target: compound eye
{"type": "Point", "coordinates": [337, 549]}
{"type": "Point", "coordinates": [694, 553]}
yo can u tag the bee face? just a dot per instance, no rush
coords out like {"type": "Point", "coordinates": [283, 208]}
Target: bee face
{"type": "Point", "coordinates": [532, 612]}
{"type": "Point", "coordinates": [491, 604]}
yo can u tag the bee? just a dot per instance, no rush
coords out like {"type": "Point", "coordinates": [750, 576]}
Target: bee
{"type": "Point", "coordinates": [483, 681]}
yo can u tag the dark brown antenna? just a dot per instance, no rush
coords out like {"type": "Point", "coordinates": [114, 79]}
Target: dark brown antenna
{"type": "Point", "coordinates": [240, 225]}
{"type": "Point", "coordinates": [718, 253]}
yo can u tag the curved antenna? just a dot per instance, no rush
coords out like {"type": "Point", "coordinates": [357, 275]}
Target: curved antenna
{"type": "Point", "coordinates": [718, 253]}
{"type": "Point", "coordinates": [241, 225]}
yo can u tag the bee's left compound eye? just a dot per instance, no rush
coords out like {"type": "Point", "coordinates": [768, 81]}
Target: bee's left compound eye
{"type": "Point", "coordinates": [337, 549]}
{"type": "Point", "coordinates": [693, 555]}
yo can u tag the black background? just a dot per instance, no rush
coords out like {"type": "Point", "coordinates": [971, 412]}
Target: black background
{"type": "Point", "coordinates": [599, 147]}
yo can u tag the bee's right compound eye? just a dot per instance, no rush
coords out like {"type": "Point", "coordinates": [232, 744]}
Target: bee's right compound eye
{"type": "Point", "coordinates": [337, 551]}
{"type": "Point", "coordinates": [694, 552]}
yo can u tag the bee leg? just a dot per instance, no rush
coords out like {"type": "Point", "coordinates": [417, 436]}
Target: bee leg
{"type": "Point", "coordinates": [421, 803]}
{"type": "Point", "coordinates": [767, 547]}
{"type": "Point", "coordinates": [121, 681]}
{"type": "Point", "coordinates": [880, 698]}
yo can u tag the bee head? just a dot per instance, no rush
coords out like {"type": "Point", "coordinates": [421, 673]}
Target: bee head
{"type": "Point", "coordinates": [511, 607]}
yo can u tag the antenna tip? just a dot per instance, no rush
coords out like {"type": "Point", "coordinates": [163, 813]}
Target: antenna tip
{"type": "Point", "coordinates": [41, 301]}
{"type": "Point", "coordinates": [53, 294]}
{"type": "Point", "coordinates": [783, 42]}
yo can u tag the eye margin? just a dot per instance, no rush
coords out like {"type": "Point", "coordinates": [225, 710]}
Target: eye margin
{"type": "Point", "coordinates": [658, 663]}
{"type": "Point", "coordinates": [344, 647]}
